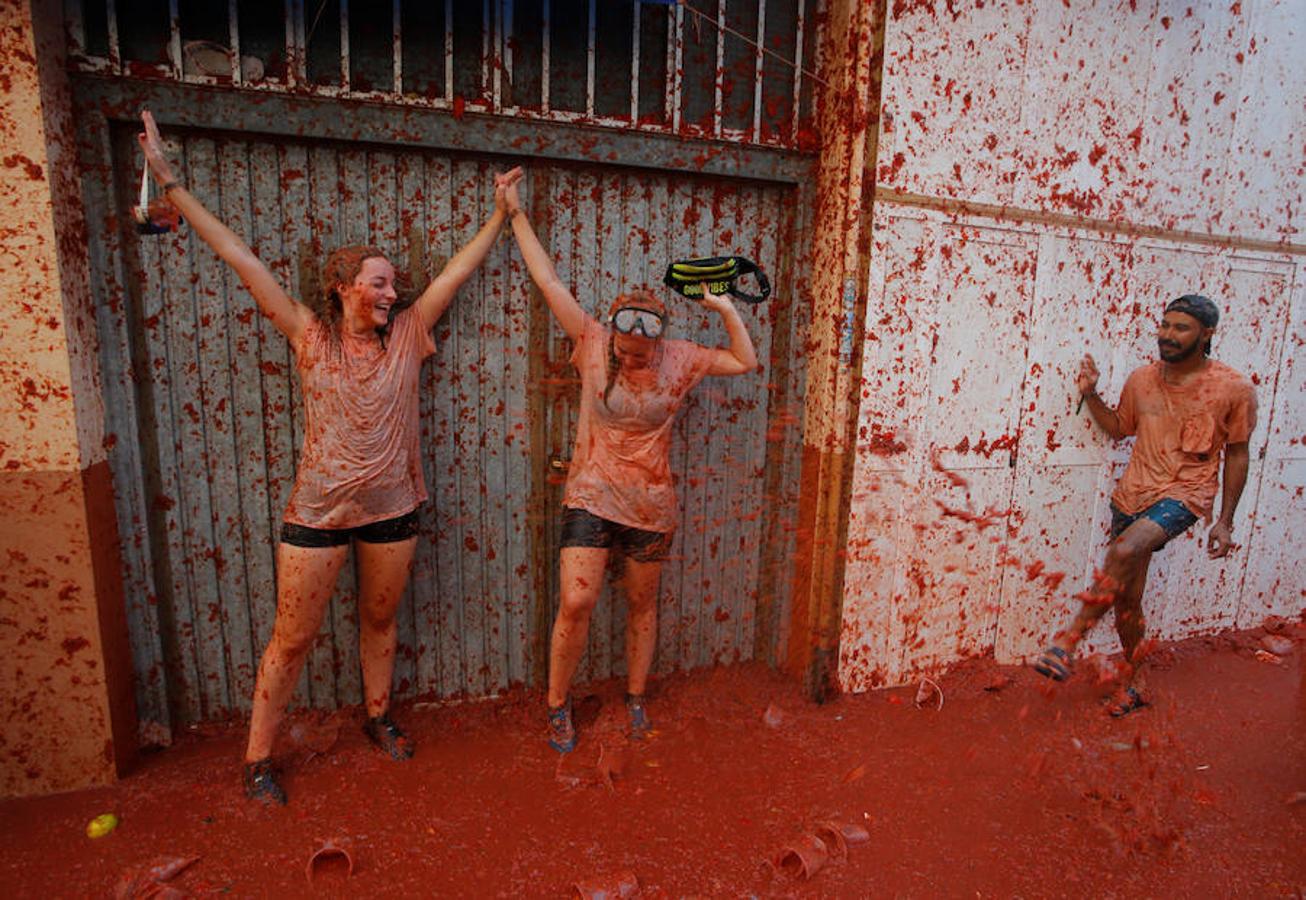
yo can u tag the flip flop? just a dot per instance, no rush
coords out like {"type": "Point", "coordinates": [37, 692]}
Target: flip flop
{"type": "Point", "coordinates": [1054, 664]}
{"type": "Point", "coordinates": [1133, 703]}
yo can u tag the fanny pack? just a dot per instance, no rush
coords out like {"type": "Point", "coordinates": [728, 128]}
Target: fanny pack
{"type": "Point", "coordinates": [721, 273]}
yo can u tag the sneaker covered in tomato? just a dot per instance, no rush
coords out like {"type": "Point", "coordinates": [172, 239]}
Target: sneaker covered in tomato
{"type": "Point", "coordinates": [261, 783]}
{"type": "Point", "coordinates": [388, 736]}
{"type": "Point", "coordinates": [562, 734]}
{"type": "Point", "coordinates": [640, 724]}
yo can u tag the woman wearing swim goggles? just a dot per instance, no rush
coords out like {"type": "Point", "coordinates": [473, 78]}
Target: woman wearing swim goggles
{"type": "Point", "coordinates": [632, 319]}
{"type": "Point", "coordinates": [619, 490]}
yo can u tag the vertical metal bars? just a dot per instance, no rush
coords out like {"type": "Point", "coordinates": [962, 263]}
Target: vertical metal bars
{"type": "Point", "coordinates": [589, 61]}
{"type": "Point", "coordinates": [174, 41]}
{"type": "Point", "coordinates": [634, 64]}
{"type": "Point", "coordinates": [397, 41]}
{"type": "Point", "coordinates": [89, 37]}
{"type": "Point", "coordinates": [676, 63]}
{"type": "Point", "coordinates": [503, 43]}
{"type": "Point", "coordinates": [546, 45]}
{"type": "Point", "coordinates": [719, 75]}
{"type": "Point", "coordinates": [448, 51]}
{"type": "Point", "coordinates": [344, 45]}
{"type": "Point", "coordinates": [798, 69]}
{"type": "Point", "coordinates": [295, 50]}
{"type": "Point", "coordinates": [756, 132]}
{"type": "Point", "coordinates": [233, 38]}
{"type": "Point", "coordinates": [487, 47]}
{"type": "Point", "coordinates": [115, 49]}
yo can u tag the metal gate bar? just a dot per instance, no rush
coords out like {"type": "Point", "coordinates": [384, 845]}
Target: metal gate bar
{"type": "Point", "coordinates": [495, 58]}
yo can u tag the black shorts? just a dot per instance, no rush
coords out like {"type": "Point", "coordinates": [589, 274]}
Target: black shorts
{"type": "Point", "coordinates": [388, 531]}
{"type": "Point", "coordinates": [581, 528]}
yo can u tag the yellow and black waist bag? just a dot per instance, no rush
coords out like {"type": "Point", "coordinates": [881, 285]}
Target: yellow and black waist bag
{"type": "Point", "coordinates": [686, 277]}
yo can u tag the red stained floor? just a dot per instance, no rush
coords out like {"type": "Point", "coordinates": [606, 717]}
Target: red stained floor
{"type": "Point", "coordinates": [1025, 790]}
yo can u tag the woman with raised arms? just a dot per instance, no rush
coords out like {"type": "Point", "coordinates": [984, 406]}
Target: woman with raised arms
{"type": "Point", "coordinates": [360, 478]}
{"type": "Point", "coordinates": [619, 493]}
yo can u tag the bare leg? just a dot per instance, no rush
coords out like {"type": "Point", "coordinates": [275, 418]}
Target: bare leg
{"type": "Point", "coordinates": [382, 575]}
{"type": "Point", "coordinates": [582, 581]}
{"type": "Point", "coordinates": [1129, 613]}
{"type": "Point", "coordinates": [642, 580]}
{"type": "Point", "coordinates": [1125, 568]}
{"type": "Point", "coordinates": [306, 578]}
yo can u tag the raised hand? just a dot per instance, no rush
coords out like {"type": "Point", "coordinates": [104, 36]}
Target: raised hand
{"type": "Point", "coordinates": [152, 146]}
{"type": "Point", "coordinates": [715, 302]}
{"type": "Point", "coordinates": [1086, 380]}
{"type": "Point", "coordinates": [506, 198]}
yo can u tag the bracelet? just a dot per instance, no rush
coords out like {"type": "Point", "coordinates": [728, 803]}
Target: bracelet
{"type": "Point", "coordinates": [514, 213]}
{"type": "Point", "coordinates": [169, 185]}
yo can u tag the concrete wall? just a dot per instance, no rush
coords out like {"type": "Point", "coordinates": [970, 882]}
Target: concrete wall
{"type": "Point", "coordinates": [1048, 176]}
{"type": "Point", "coordinates": [65, 703]}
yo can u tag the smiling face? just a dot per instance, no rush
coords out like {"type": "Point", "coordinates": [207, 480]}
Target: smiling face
{"type": "Point", "coordinates": [1180, 335]}
{"type": "Point", "coordinates": [368, 298]}
{"type": "Point", "coordinates": [634, 351]}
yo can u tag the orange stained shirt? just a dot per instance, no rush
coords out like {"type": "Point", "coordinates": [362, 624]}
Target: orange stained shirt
{"type": "Point", "coordinates": [1181, 430]}
{"type": "Point", "coordinates": [361, 461]}
{"type": "Point", "coordinates": [620, 467]}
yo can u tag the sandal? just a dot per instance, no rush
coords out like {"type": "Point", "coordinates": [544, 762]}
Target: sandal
{"type": "Point", "coordinates": [389, 736]}
{"type": "Point", "coordinates": [261, 783]}
{"type": "Point", "coordinates": [1054, 664]}
{"type": "Point", "coordinates": [1132, 701]}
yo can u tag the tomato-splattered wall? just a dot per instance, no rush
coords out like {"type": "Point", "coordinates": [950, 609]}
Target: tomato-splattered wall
{"type": "Point", "coordinates": [1048, 176]}
{"type": "Point", "coordinates": [60, 641]}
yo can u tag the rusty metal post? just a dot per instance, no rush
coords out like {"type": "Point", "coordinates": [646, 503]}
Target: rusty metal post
{"type": "Point", "coordinates": [848, 117]}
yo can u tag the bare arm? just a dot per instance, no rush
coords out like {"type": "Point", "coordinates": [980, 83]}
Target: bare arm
{"type": "Point", "coordinates": [740, 358]}
{"type": "Point", "coordinates": [562, 304]}
{"type": "Point", "coordinates": [288, 315]}
{"type": "Point", "coordinates": [1220, 539]}
{"type": "Point", "coordinates": [442, 289]}
{"type": "Point", "coordinates": [1103, 415]}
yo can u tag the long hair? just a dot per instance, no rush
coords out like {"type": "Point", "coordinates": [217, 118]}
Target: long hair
{"type": "Point", "coordinates": [342, 267]}
{"type": "Point", "coordinates": [640, 299]}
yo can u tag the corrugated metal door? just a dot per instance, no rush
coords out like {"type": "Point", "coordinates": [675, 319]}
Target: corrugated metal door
{"type": "Point", "coordinates": [211, 420]}
{"type": "Point", "coordinates": [615, 231]}
{"type": "Point", "coordinates": [205, 419]}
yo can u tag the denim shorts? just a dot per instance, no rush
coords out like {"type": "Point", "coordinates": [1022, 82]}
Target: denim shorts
{"type": "Point", "coordinates": [388, 531]}
{"type": "Point", "coordinates": [581, 528]}
{"type": "Point", "coordinates": [1173, 517]}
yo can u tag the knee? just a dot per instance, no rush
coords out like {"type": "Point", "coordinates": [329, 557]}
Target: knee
{"type": "Point", "coordinates": [1126, 554]}
{"type": "Point", "coordinates": [287, 646]}
{"type": "Point", "coordinates": [642, 606]}
{"type": "Point", "coordinates": [576, 610]}
{"type": "Point", "coordinates": [377, 617]}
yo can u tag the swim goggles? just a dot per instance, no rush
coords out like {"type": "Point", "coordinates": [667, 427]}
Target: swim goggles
{"type": "Point", "coordinates": [630, 319]}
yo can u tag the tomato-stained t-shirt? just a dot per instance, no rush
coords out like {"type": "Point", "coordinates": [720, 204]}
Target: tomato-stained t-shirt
{"type": "Point", "coordinates": [620, 467]}
{"type": "Point", "coordinates": [360, 462]}
{"type": "Point", "coordinates": [1182, 430]}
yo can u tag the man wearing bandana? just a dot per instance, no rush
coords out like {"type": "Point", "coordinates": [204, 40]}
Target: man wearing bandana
{"type": "Point", "coordinates": [1186, 410]}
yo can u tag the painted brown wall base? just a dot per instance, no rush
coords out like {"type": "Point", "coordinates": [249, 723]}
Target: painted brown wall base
{"type": "Point", "coordinates": [849, 115]}
{"type": "Point", "coordinates": [62, 642]}
{"type": "Point", "coordinates": [813, 653]}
